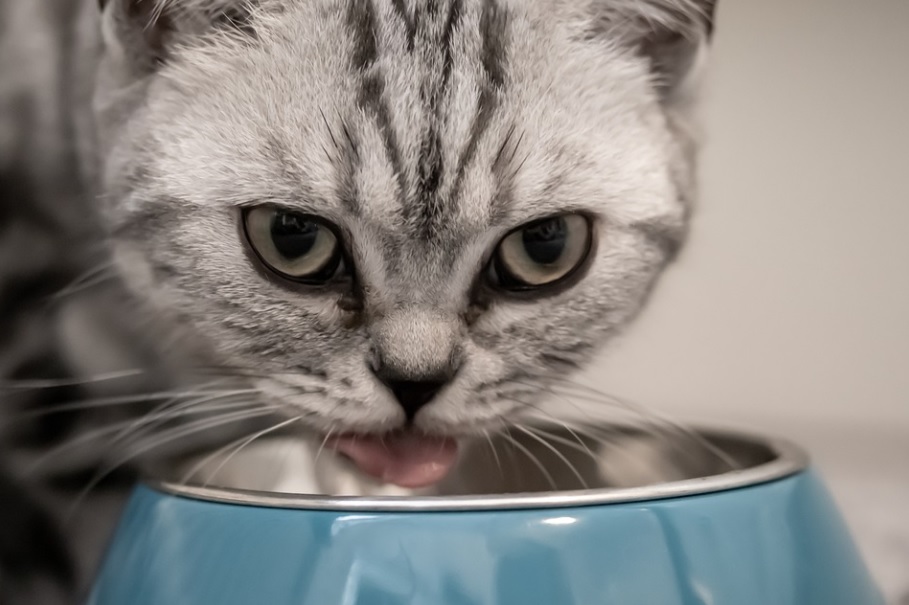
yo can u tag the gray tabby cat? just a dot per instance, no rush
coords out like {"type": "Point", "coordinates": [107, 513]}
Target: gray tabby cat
{"type": "Point", "coordinates": [398, 220]}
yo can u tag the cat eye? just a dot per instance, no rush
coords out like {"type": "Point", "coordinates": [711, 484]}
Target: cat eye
{"type": "Point", "coordinates": [542, 253]}
{"type": "Point", "coordinates": [296, 246]}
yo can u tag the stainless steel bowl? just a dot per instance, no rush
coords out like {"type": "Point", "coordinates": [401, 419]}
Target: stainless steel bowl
{"type": "Point", "coordinates": [590, 465]}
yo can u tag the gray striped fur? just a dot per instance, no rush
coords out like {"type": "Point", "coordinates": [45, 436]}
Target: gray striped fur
{"type": "Point", "coordinates": [132, 131]}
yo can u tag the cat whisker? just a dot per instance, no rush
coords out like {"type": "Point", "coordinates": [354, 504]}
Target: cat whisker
{"type": "Point", "coordinates": [179, 433]}
{"type": "Point", "coordinates": [26, 385]}
{"type": "Point", "coordinates": [600, 435]}
{"type": "Point", "coordinates": [254, 410]}
{"type": "Point", "coordinates": [246, 373]}
{"type": "Point", "coordinates": [613, 404]}
{"type": "Point", "coordinates": [87, 280]}
{"type": "Point", "coordinates": [492, 448]}
{"type": "Point", "coordinates": [246, 442]}
{"type": "Point", "coordinates": [662, 422]}
{"type": "Point", "coordinates": [578, 446]}
{"type": "Point", "coordinates": [322, 445]}
{"type": "Point", "coordinates": [513, 396]}
{"type": "Point", "coordinates": [536, 462]}
{"type": "Point", "coordinates": [104, 402]}
{"type": "Point", "coordinates": [171, 410]}
{"type": "Point", "coordinates": [672, 433]}
{"type": "Point", "coordinates": [223, 371]}
{"type": "Point", "coordinates": [198, 399]}
{"type": "Point", "coordinates": [659, 424]}
{"type": "Point", "coordinates": [559, 422]}
{"type": "Point", "coordinates": [231, 371]}
{"type": "Point", "coordinates": [187, 476]}
{"type": "Point", "coordinates": [555, 451]}
{"type": "Point", "coordinates": [116, 428]}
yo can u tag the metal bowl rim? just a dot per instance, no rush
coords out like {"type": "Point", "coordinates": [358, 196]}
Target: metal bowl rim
{"type": "Point", "coordinates": [790, 460]}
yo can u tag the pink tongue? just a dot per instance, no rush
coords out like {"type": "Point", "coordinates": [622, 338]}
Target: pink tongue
{"type": "Point", "coordinates": [405, 459]}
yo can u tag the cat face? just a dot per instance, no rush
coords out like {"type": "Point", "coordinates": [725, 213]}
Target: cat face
{"type": "Point", "coordinates": [396, 214]}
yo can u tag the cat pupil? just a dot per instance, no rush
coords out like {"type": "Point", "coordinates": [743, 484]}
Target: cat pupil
{"type": "Point", "coordinates": [545, 242]}
{"type": "Point", "coordinates": [293, 235]}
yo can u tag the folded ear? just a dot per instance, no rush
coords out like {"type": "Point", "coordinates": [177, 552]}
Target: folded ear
{"type": "Point", "coordinates": [143, 33]}
{"type": "Point", "coordinates": [672, 34]}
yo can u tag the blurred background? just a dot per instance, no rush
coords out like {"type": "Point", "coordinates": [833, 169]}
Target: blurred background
{"type": "Point", "coordinates": [788, 312]}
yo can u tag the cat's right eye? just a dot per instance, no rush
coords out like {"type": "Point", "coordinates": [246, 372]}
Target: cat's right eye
{"type": "Point", "coordinates": [299, 247]}
{"type": "Point", "coordinates": [542, 253]}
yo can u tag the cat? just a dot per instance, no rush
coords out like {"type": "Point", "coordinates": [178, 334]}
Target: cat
{"type": "Point", "coordinates": [406, 219]}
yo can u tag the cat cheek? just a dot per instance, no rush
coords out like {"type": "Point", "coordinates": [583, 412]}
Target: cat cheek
{"type": "Point", "coordinates": [481, 366]}
{"type": "Point", "coordinates": [462, 412]}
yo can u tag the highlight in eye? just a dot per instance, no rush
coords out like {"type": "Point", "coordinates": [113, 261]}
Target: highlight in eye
{"type": "Point", "coordinates": [297, 246]}
{"type": "Point", "coordinates": [542, 253]}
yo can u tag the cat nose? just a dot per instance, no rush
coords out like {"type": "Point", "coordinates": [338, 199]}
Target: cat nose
{"type": "Point", "coordinates": [412, 395]}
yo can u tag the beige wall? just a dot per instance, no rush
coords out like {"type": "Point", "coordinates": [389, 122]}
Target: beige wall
{"type": "Point", "coordinates": [792, 300]}
{"type": "Point", "coordinates": [789, 312]}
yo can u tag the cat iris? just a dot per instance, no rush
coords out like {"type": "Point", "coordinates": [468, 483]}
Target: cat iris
{"type": "Point", "coordinates": [299, 247]}
{"type": "Point", "coordinates": [542, 253]}
{"type": "Point", "coordinates": [307, 249]}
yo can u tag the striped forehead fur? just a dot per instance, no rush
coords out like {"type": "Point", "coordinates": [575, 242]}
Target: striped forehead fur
{"type": "Point", "coordinates": [429, 79]}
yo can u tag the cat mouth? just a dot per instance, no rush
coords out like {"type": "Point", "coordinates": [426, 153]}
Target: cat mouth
{"type": "Point", "coordinates": [404, 458]}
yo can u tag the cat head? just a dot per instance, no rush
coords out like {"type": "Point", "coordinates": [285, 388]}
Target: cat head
{"type": "Point", "coordinates": [391, 212]}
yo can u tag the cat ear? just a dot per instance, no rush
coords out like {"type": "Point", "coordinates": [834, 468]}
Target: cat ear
{"type": "Point", "coordinates": [138, 32]}
{"type": "Point", "coordinates": [672, 34]}
{"type": "Point", "coordinates": [144, 32]}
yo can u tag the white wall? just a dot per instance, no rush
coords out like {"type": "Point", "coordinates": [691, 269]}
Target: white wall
{"type": "Point", "coordinates": [792, 300]}
{"type": "Point", "coordinates": [789, 312]}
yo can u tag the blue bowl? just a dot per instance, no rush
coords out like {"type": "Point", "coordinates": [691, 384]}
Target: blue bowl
{"type": "Point", "coordinates": [764, 533]}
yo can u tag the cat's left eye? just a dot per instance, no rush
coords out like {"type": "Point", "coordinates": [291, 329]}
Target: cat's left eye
{"type": "Point", "coordinates": [299, 247]}
{"type": "Point", "coordinates": [542, 253]}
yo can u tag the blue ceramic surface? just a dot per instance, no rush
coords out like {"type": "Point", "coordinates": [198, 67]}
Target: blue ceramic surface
{"type": "Point", "coordinates": [777, 543]}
